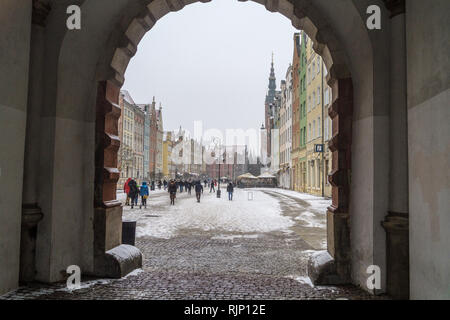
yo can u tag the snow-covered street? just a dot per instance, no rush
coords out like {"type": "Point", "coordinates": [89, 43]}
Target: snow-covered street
{"type": "Point", "coordinates": [252, 212]}
{"type": "Point", "coordinates": [254, 247]}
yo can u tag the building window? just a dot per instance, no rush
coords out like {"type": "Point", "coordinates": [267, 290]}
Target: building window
{"type": "Point", "coordinates": [314, 129]}
{"type": "Point", "coordinates": [318, 95]}
{"type": "Point", "coordinates": [319, 127]}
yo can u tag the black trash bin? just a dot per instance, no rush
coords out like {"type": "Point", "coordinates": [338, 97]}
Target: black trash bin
{"type": "Point", "coordinates": [128, 232]}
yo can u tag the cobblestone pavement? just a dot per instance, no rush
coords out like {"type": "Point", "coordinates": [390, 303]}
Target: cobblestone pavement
{"type": "Point", "coordinates": [205, 265]}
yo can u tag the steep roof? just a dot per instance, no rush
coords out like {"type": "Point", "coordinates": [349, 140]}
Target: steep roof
{"type": "Point", "coordinates": [127, 97]}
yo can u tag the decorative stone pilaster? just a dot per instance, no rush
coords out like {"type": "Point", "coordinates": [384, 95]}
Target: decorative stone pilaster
{"type": "Point", "coordinates": [31, 212]}
{"type": "Point", "coordinates": [397, 254]}
{"type": "Point", "coordinates": [31, 215]}
{"type": "Point", "coordinates": [340, 112]}
{"type": "Point", "coordinates": [111, 258]}
{"type": "Point", "coordinates": [396, 223]}
{"type": "Point", "coordinates": [333, 266]}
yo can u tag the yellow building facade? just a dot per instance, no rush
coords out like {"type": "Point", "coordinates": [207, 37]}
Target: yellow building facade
{"type": "Point", "coordinates": [316, 160]}
{"type": "Point", "coordinates": [126, 152]}
{"type": "Point", "coordinates": [167, 159]}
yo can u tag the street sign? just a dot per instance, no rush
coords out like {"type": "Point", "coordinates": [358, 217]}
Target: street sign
{"type": "Point", "coordinates": [318, 148]}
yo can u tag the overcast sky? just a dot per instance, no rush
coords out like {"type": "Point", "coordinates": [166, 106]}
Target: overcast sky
{"type": "Point", "coordinates": [211, 62]}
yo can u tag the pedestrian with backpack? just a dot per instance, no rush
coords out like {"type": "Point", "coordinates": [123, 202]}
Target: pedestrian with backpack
{"type": "Point", "coordinates": [144, 195]}
{"type": "Point", "coordinates": [134, 192]}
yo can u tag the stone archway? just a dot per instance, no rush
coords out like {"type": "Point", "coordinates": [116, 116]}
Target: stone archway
{"type": "Point", "coordinates": [86, 68]}
{"type": "Point", "coordinates": [329, 267]}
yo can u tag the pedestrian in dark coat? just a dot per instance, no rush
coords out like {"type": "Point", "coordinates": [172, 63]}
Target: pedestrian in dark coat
{"type": "Point", "coordinates": [172, 189]}
{"type": "Point", "coordinates": [198, 190]}
{"type": "Point", "coordinates": [181, 186]}
{"type": "Point", "coordinates": [230, 189]}
{"type": "Point", "coordinates": [134, 192]}
{"type": "Point", "coordinates": [188, 187]}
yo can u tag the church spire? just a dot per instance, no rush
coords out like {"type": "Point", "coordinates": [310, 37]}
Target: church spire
{"type": "Point", "coordinates": [272, 84]}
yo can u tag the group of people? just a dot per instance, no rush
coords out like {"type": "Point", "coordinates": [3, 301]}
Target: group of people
{"type": "Point", "coordinates": [174, 186]}
{"type": "Point", "coordinates": [133, 190]}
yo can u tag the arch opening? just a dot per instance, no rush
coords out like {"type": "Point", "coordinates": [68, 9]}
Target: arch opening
{"type": "Point", "coordinates": [336, 265]}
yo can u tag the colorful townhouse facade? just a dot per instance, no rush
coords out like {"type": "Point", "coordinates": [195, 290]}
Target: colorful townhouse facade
{"type": "Point", "coordinates": [159, 144]}
{"type": "Point", "coordinates": [301, 170]}
{"type": "Point", "coordinates": [126, 159]}
{"type": "Point", "coordinates": [286, 131]}
{"type": "Point", "coordinates": [295, 154]}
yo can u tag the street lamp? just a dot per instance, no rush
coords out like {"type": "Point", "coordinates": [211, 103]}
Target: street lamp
{"type": "Point", "coordinates": [216, 142]}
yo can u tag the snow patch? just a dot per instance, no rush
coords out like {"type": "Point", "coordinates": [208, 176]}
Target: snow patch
{"type": "Point", "coordinates": [232, 237]}
{"type": "Point", "coordinates": [262, 214]}
{"type": "Point", "coordinates": [302, 280]}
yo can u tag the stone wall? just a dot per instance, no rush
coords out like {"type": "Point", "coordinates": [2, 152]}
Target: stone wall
{"type": "Point", "coordinates": [428, 75]}
{"type": "Point", "coordinates": [15, 17]}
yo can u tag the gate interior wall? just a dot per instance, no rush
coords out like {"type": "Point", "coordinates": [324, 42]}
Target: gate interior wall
{"type": "Point", "coordinates": [64, 128]}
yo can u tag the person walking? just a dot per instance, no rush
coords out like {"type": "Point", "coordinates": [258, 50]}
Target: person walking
{"type": "Point", "coordinates": [230, 189]}
{"type": "Point", "coordinates": [172, 189]}
{"type": "Point", "coordinates": [198, 190]}
{"type": "Point", "coordinates": [134, 191]}
{"type": "Point", "coordinates": [165, 184]}
{"type": "Point", "coordinates": [188, 187]}
{"type": "Point", "coordinates": [144, 195]}
{"type": "Point", "coordinates": [136, 198]}
{"type": "Point", "coordinates": [126, 189]}
{"type": "Point", "coordinates": [212, 188]}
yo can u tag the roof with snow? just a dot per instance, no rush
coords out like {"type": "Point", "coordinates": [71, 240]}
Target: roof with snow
{"type": "Point", "coordinates": [127, 97]}
{"type": "Point", "coordinates": [247, 175]}
{"type": "Point", "coordinates": [266, 175]}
